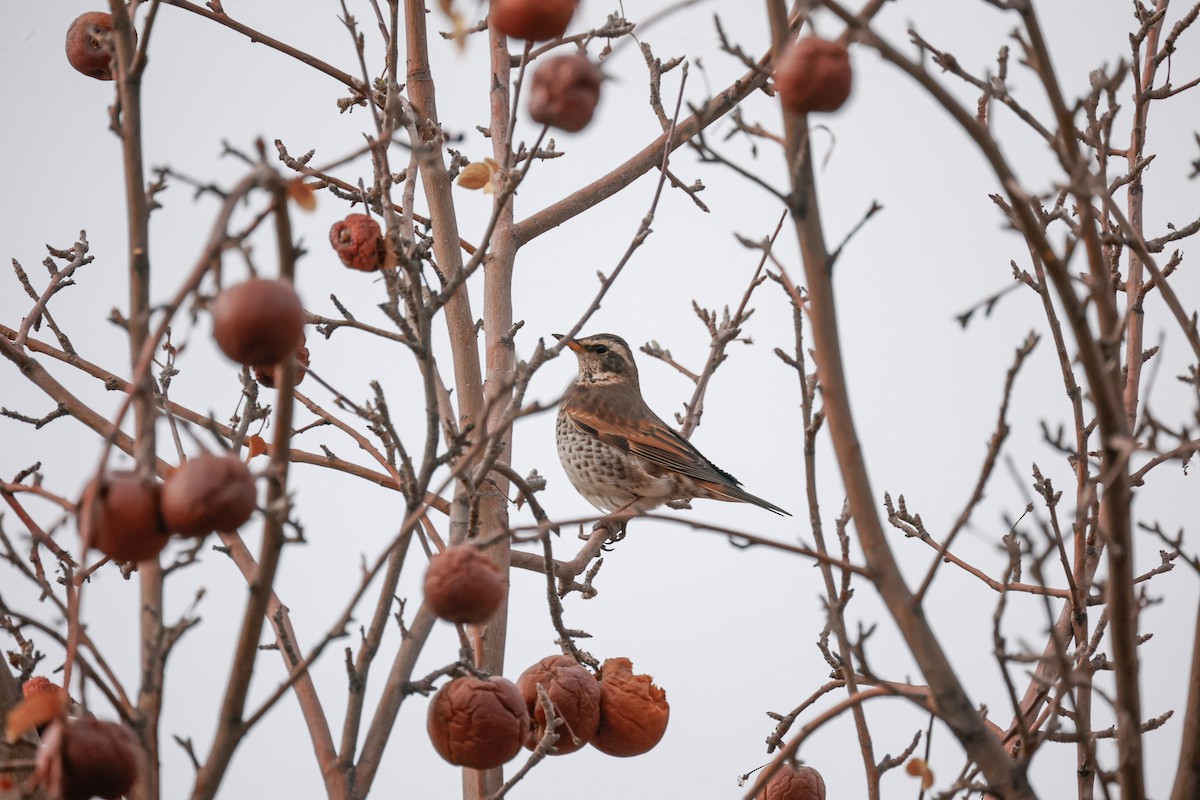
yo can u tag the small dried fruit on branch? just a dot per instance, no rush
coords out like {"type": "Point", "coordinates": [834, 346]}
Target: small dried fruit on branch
{"type": "Point", "coordinates": [85, 45]}
{"type": "Point", "coordinates": [258, 322]}
{"type": "Point", "coordinates": [358, 242]}
{"type": "Point", "coordinates": [477, 723]}
{"type": "Point", "coordinates": [794, 783]}
{"type": "Point", "coordinates": [813, 75]}
{"type": "Point", "coordinates": [633, 711]}
{"type": "Point", "coordinates": [537, 20]}
{"type": "Point", "coordinates": [265, 375]}
{"type": "Point", "coordinates": [462, 585]}
{"type": "Point", "coordinates": [575, 693]}
{"type": "Point", "coordinates": [564, 92]}
{"type": "Point", "coordinates": [123, 513]}
{"type": "Point", "coordinates": [99, 759]}
{"type": "Point", "coordinates": [208, 493]}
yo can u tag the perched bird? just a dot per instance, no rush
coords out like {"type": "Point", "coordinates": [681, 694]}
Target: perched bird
{"type": "Point", "coordinates": [618, 454]}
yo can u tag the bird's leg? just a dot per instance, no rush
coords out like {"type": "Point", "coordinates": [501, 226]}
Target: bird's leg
{"type": "Point", "coordinates": [620, 517]}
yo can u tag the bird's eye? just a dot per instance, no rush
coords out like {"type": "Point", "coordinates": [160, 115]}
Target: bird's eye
{"type": "Point", "coordinates": [600, 349]}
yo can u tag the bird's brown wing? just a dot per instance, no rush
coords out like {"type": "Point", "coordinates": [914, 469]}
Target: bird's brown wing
{"type": "Point", "coordinates": [650, 438]}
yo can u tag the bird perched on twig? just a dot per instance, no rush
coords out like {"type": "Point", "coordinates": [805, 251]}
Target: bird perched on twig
{"type": "Point", "coordinates": [618, 454]}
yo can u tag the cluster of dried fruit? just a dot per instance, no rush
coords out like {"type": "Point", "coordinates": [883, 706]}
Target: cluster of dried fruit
{"type": "Point", "coordinates": [565, 89]}
{"type": "Point", "coordinates": [129, 518]}
{"type": "Point", "coordinates": [482, 723]}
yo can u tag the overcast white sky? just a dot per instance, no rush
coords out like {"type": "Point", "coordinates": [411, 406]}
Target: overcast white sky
{"type": "Point", "coordinates": [728, 633]}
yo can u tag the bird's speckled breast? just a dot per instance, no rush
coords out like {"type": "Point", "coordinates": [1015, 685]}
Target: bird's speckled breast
{"type": "Point", "coordinates": [606, 476]}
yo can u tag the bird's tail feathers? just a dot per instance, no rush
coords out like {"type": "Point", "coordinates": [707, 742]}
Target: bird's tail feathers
{"type": "Point", "coordinates": [736, 494]}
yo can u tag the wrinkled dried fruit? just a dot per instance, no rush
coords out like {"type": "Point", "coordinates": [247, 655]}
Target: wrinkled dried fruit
{"type": "Point", "coordinates": [462, 585]}
{"type": "Point", "coordinates": [258, 322]}
{"type": "Point", "coordinates": [537, 20]}
{"type": "Point", "coordinates": [125, 516]}
{"type": "Point", "coordinates": [85, 49]}
{"type": "Point", "coordinates": [358, 242]}
{"type": "Point", "coordinates": [575, 693]}
{"type": "Point", "coordinates": [564, 92]}
{"type": "Point", "coordinates": [813, 75]}
{"type": "Point", "coordinates": [98, 760]}
{"type": "Point", "coordinates": [794, 783]}
{"type": "Point", "coordinates": [208, 493]}
{"type": "Point", "coordinates": [477, 723]}
{"type": "Point", "coordinates": [633, 711]}
{"type": "Point", "coordinates": [265, 375]}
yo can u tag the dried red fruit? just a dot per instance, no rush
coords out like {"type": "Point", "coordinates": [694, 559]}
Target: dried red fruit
{"type": "Point", "coordinates": [813, 75]}
{"type": "Point", "coordinates": [85, 49]}
{"type": "Point", "coordinates": [477, 723]}
{"type": "Point", "coordinates": [258, 322]}
{"type": "Point", "coordinates": [575, 693]}
{"type": "Point", "coordinates": [633, 711]}
{"type": "Point", "coordinates": [99, 759]}
{"type": "Point", "coordinates": [265, 375]}
{"type": "Point", "coordinates": [358, 242]}
{"type": "Point", "coordinates": [537, 20]}
{"type": "Point", "coordinates": [208, 493]}
{"type": "Point", "coordinates": [462, 585]}
{"type": "Point", "coordinates": [794, 783]}
{"type": "Point", "coordinates": [564, 92]}
{"type": "Point", "coordinates": [125, 516]}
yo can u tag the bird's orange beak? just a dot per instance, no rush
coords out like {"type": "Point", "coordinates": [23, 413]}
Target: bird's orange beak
{"type": "Point", "coordinates": [571, 343]}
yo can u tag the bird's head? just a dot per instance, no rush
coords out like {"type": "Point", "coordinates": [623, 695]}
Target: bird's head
{"type": "Point", "coordinates": [603, 358]}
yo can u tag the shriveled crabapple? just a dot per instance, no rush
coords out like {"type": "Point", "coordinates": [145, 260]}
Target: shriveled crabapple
{"type": "Point", "coordinates": [477, 723]}
{"type": "Point", "coordinates": [85, 45]}
{"type": "Point", "coordinates": [99, 759]}
{"type": "Point", "coordinates": [535, 20]}
{"type": "Point", "coordinates": [258, 322]}
{"type": "Point", "coordinates": [575, 694]}
{"type": "Point", "coordinates": [564, 92]}
{"type": "Point", "coordinates": [358, 242]}
{"type": "Point", "coordinates": [633, 711]}
{"type": "Point", "coordinates": [462, 585]}
{"type": "Point", "coordinates": [794, 783]}
{"type": "Point", "coordinates": [123, 513]}
{"type": "Point", "coordinates": [813, 74]}
{"type": "Point", "coordinates": [208, 493]}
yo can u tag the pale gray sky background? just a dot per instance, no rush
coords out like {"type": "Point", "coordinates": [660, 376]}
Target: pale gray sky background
{"type": "Point", "coordinates": [728, 633]}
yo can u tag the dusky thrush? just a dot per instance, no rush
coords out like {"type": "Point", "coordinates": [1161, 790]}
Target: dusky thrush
{"type": "Point", "coordinates": [618, 454]}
